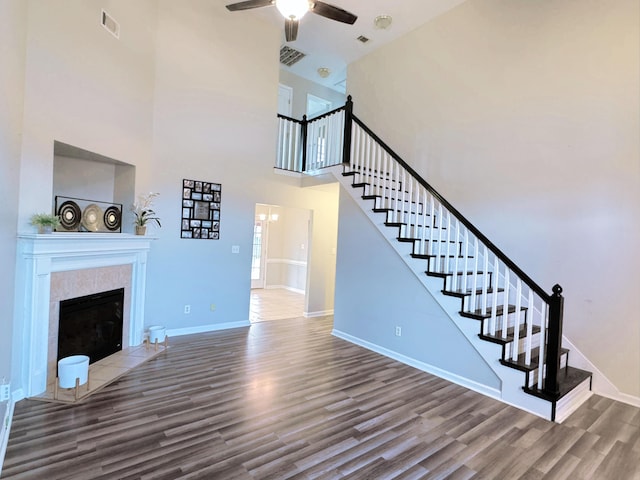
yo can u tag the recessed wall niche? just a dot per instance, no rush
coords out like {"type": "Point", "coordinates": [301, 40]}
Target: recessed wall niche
{"type": "Point", "coordinates": [80, 173]}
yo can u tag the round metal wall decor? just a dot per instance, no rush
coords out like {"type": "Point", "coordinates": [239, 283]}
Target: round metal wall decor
{"type": "Point", "coordinates": [92, 217]}
{"type": "Point", "coordinates": [112, 218]}
{"type": "Point", "coordinates": [70, 215]}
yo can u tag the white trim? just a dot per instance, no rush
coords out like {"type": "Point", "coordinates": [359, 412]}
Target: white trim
{"type": "Point", "coordinates": [601, 384]}
{"type": "Point", "coordinates": [177, 332]}
{"type": "Point", "coordinates": [319, 313]}
{"type": "Point", "coordinates": [425, 367]}
{"type": "Point", "coordinates": [5, 429]}
{"type": "Point", "coordinates": [287, 261]}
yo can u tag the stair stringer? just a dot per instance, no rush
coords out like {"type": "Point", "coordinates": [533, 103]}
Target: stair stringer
{"type": "Point", "coordinates": [511, 380]}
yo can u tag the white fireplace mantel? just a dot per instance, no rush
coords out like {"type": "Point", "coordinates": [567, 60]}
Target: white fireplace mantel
{"type": "Point", "coordinates": [40, 255]}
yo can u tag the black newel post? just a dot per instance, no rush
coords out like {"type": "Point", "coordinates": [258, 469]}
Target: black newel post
{"type": "Point", "coordinates": [348, 121]}
{"type": "Point", "coordinates": [554, 342]}
{"type": "Point", "coordinates": [304, 143]}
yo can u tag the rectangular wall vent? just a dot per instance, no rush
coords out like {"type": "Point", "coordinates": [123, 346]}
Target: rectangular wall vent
{"type": "Point", "coordinates": [289, 56]}
{"type": "Point", "coordinates": [363, 39]}
{"type": "Point", "coordinates": [110, 24]}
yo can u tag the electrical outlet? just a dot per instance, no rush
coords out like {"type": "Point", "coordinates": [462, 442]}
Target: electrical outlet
{"type": "Point", "coordinates": [398, 331]}
{"type": "Point", "coordinates": [5, 392]}
{"type": "Point", "coordinates": [187, 309]}
{"type": "Point", "coordinates": [235, 248]}
{"type": "Point", "coordinates": [212, 307]}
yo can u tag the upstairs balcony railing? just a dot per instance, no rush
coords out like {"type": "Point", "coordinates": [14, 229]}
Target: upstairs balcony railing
{"type": "Point", "coordinates": [309, 145]}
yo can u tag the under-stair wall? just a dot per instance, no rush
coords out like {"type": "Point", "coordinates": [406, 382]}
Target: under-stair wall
{"type": "Point", "coordinates": [376, 293]}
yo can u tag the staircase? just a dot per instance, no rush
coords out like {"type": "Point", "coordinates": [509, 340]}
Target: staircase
{"type": "Point", "coordinates": [457, 264]}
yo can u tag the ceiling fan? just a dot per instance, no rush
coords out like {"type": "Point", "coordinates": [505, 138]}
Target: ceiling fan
{"type": "Point", "coordinates": [294, 10]}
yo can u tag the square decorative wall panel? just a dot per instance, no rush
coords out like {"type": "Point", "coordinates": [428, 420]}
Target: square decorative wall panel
{"type": "Point", "coordinates": [201, 209]}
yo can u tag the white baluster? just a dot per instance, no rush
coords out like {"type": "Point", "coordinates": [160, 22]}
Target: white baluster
{"type": "Point", "coordinates": [530, 314]}
{"type": "Point", "coordinates": [465, 269]}
{"type": "Point", "coordinates": [279, 149]}
{"type": "Point", "coordinates": [447, 250]}
{"type": "Point", "coordinates": [438, 259]}
{"type": "Point", "coordinates": [485, 281]}
{"type": "Point", "coordinates": [543, 344]}
{"type": "Point", "coordinates": [474, 282]}
{"type": "Point", "coordinates": [494, 297]}
{"type": "Point", "coordinates": [424, 220]}
{"type": "Point", "coordinates": [396, 191]}
{"type": "Point", "coordinates": [432, 237]}
{"type": "Point", "coordinates": [505, 302]}
{"type": "Point", "coordinates": [456, 255]}
{"type": "Point", "coordinates": [516, 327]}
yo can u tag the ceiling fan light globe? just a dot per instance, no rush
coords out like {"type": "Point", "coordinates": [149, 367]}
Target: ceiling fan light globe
{"type": "Point", "coordinates": [293, 9]}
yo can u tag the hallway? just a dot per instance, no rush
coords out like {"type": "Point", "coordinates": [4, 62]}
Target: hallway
{"type": "Point", "coordinates": [275, 304]}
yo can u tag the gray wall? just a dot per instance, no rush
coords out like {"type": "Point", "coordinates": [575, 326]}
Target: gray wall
{"type": "Point", "coordinates": [376, 291]}
{"type": "Point", "coordinates": [524, 115]}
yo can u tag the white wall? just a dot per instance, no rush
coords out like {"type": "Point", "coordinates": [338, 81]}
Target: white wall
{"type": "Point", "coordinates": [13, 20]}
{"type": "Point", "coordinates": [525, 116]}
{"type": "Point", "coordinates": [85, 88]}
{"type": "Point", "coordinates": [302, 87]}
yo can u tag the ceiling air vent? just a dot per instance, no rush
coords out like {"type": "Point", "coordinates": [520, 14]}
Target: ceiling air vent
{"type": "Point", "coordinates": [363, 39]}
{"type": "Point", "coordinates": [110, 24]}
{"type": "Point", "coordinates": [289, 56]}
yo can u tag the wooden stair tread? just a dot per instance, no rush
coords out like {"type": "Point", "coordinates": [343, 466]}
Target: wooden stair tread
{"type": "Point", "coordinates": [520, 363]}
{"type": "Point", "coordinates": [449, 274]}
{"type": "Point", "coordinates": [568, 379]}
{"type": "Point", "coordinates": [497, 338]}
{"type": "Point", "coordinates": [459, 293]}
{"type": "Point", "coordinates": [477, 314]}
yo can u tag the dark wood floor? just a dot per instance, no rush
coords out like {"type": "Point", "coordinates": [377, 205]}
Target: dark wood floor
{"type": "Point", "coordinates": [287, 400]}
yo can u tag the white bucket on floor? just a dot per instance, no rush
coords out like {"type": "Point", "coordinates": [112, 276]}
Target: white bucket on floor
{"type": "Point", "coordinates": [156, 332]}
{"type": "Point", "coordinates": [70, 368]}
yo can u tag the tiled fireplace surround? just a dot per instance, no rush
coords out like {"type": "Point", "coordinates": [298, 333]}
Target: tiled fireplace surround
{"type": "Point", "coordinates": [60, 266]}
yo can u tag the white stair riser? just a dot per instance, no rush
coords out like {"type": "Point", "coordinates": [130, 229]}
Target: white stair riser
{"type": "Point", "coordinates": [533, 375]}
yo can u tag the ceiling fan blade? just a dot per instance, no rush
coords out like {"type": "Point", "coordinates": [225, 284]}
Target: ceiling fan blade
{"type": "Point", "coordinates": [290, 29]}
{"type": "Point", "coordinates": [234, 7]}
{"type": "Point", "coordinates": [334, 13]}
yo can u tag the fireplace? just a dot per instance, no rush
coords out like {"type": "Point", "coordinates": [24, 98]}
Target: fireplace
{"type": "Point", "coordinates": [91, 325]}
{"type": "Point", "coordinates": [60, 266]}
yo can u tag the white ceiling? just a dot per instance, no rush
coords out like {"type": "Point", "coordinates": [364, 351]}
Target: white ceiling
{"type": "Point", "coordinates": [334, 45]}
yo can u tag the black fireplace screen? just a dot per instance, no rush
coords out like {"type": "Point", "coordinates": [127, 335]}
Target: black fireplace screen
{"type": "Point", "coordinates": [91, 325]}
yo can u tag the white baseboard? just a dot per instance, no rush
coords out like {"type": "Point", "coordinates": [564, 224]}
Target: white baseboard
{"type": "Point", "coordinates": [601, 384]}
{"type": "Point", "coordinates": [5, 429]}
{"type": "Point", "coordinates": [319, 313]}
{"type": "Point", "coordinates": [285, 287]}
{"type": "Point", "coordinates": [177, 332]}
{"type": "Point", "coordinates": [425, 367]}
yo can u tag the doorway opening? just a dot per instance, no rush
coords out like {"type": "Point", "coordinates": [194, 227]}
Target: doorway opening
{"type": "Point", "coordinates": [279, 262]}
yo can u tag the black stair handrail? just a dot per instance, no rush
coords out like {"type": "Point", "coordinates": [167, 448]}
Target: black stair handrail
{"type": "Point", "coordinates": [555, 301]}
{"type": "Point", "coordinates": [470, 226]}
